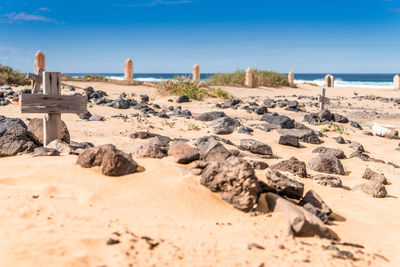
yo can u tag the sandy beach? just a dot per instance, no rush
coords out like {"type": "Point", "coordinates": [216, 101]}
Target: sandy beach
{"type": "Point", "coordinates": [56, 213]}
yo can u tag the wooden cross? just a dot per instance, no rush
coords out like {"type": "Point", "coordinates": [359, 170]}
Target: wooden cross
{"type": "Point", "coordinates": [322, 99]}
{"type": "Point", "coordinates": [53, 103]}
{"type": "Point", "coordinates": [37, 80]}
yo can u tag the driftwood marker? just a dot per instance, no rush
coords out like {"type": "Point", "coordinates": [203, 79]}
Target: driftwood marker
{"type": "Point", "coordinates": [396, 81]}
{"type": "Point", "coordinates": [291, 79]}
{"type": "Point", "coordinates": [322, 99]}
{"type": "Point", "coordinates": [249, 78]}
{"type": "Point", "coordinates": [329, 80]}
{"type": "Point", "coordinates": [196, 74]}
{"type": "Point", "coordinates": [37, 80]}
{"type": "Point", "coordinates": [128, 70]}
{"type": "Point", "coordinates": [53, 103]}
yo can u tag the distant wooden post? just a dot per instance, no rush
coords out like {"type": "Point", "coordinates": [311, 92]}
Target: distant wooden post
{"type": "Point", "coordinates": [291, 78]}
{"type": "Point", "coordinates": [249, 78]}
{"type": "Point", "coordinates": [40, 61]}
{"type": "Point", "coordinates": [128, 70]}
{"type": "Point", "coordinates": [396, 82]}
{"type": "Point", "coordinates": [196, 74]}
{"type": "Point", "coordinates": [329, 80]}
{"type": "Point", "coordinates": [40, 64]}
{"type": "Point", "coordinates": [53, 103]}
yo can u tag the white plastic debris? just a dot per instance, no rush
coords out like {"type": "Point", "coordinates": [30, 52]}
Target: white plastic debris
{"type": "Point", "coordinates": [383, 130]}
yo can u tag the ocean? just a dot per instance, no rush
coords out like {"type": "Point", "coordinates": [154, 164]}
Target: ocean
{"type": "Point", "coordinates": [382, 81]}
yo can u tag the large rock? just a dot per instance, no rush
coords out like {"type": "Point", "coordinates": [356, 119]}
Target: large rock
{"type": "Point", "coordinates": [289, 140]}
{"type": "Point", "coordinates": [112, 161]}
{"type": "Point", "coordinates": [211, 150]}
{"type": "Point", "coordinates": [35, 126]}
{"type": "Point", "coordinates": [300, 222]}
{"type": "Point", "coordinates": [283, 121]}
{"type": "Point", "coordinates": [314, 204]}
{"type": "Point", "coordinates": [372, 188]}
{"type": "Point", "coordinates": [234, 180]}
{"type": "Point", "coordinates": [210, 116]}
{"type": "Point", "coordinates": [326, 163]}
{"type": "Point", "coordinates": [182, 152]}
{"type": "Point", "coordinates": [328, 180]}
{"type": "Point", "coordinates": [292, 165]}
{"type": "Point", "coordinates": [335, 152]}
{"type": "Point", "coordinates": [278, 183]}
{"type": "Point", "coordinates": [224, 125]}
{"type": "Point", "coordinates": [148, 150]}
{"type": "Point", "coordinates": [374, 176]}
{"type": "Point", "coordinates": [255, 147]}
{"type": "Point", "coordinates": [16, 139]}
{"type": "Point", "coordinates": [304, 135]}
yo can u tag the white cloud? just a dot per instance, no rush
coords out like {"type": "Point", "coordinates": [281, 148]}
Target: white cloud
{"type": "Point", "coordinates": [20, 17]}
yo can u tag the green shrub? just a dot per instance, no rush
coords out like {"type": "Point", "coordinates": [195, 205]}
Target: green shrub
{"type": "Point", "coordinates": [184, 86]}
{"type": "Point", "coordinates": [95, 77]}
{"type": "Point", "coordinates": [260, 78]}
{"type": "Point", "coordinates": [10, 76]}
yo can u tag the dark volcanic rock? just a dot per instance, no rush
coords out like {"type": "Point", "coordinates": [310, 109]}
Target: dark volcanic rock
{"type": "Point", "coordinates": [340, 140]}
{"type": "Point", "coordinates": [45, 151]}
{"type": "Point", "coordinates": [304, 135]}
{"type": "Point", "coordinates": [314, 204]}
{"type": "Point", "coordinates": [255, 147]}
{"type": "Point", "coordinates": [283, 121]}
{"type": "Point", "coordinates": [224, 125]}
{"type": "Point", "coordinates": [326, 163]}
{"type": "Point", "coordinates": [340, 118]}
{"type": "Point", "coordinates": [210, 116]}
{"type": "Point", "coordinates": [328, 180]}
{"type": "Point", "coordinates": [15, 138]}
{"type": "Point", "coordinates": [211, 150]}
{"type": "Point", "coordinates": [289, 140]}
{"type": "Point", "coordinates": [292, 165]}
{"type": "Point", "coordinates": [143, 135]}
{"type": "Point", "coordinates": [112, 161]}
{"type": "Point", "coordinates": [355, 125]}
{"type": "Point", "coordinates": [335, 152]}
{"type": "Point", "coordinates": [234, 180]}
{"type": "Point", "coordinates": [183, 99]}
{"type": "Point", "coordinates": [281, 184]}
{"type": "Point", "coordinates": [245, 130]}
{"type": "Point", "coordinates": [301, 222]}
{"type": "Point", "coordinates": [35, 126]}
{"type": "Point", "coordinates": [182, 152]}
{"type": "Point", "coordinates": [231, 103]}
{"type": "Point", "coordinates": [258, 165]}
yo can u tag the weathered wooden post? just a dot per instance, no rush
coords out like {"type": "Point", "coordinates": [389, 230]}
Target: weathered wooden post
{"type": "Point", "coordinates": [128, 70]}
{"type": "Point", "coordinates": [291, 78]}
{"type": "Point", "coordinates": [196, 74]}
{"type": "Point", "coordinates": [53, 103]}
{"type": "Point", "coordinates": [322, 99]}
{"type": "Point", "coordinates": [329, 80]}
{"type": "Point", "coordinates": [249, 78]}
{"type": "Point", "coordinates": [396, 81]}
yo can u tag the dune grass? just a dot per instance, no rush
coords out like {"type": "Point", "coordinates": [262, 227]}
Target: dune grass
{"type": "Point", "coordinates": [95, 77]}
{"type": "Point", "coordinates": [12, 77]}
{"type": "Point", "coordinates": [260, 78]}
{"type": "Point", "coordinates": [184, 86]}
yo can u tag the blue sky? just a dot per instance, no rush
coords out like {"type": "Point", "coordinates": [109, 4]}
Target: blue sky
{"type": "Point", "coordinates": [336, 36]}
